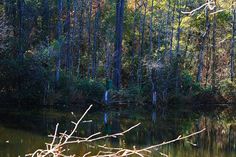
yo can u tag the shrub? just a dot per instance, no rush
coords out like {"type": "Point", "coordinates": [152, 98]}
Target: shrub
{"type": "Point", "coordinates": [227, 89]}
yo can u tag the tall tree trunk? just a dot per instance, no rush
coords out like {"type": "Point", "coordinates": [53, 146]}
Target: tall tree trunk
{"type": "Point", "coordinates": [107, 69]}
{"type": "Point", "coordinates": [166, 43]}
{"type": "Point", "coordinates": [132, 75]}
{"type": "Point", "coordinates": [20, 31]}
{"type": "Point", "coordinates": [202, 50]}
{"type": "Point", "coordinates": [208, 62]}
{"type": "Point", "coordinates": [81, 11]}
{"type": "Point", "coordinates": [118, 43]}
{"type": "Point", "coordinates": [20, 51]}
{"type": "Point", "coordinates": [214, 53]}
{"type": "Point", "coordinates": [59, 38]}
{"type": "Point", "coordinates": [68, 39]}
{"type": "Point", "coordinates": [151, 29]}
{"type": "Point", "coordinates": [166, 40]}
{"type": "Point", "coordinates": [152, 70]}
{"type": "Point", "coordinates": [160, 32]}
{"type": "Point", "coordinates": [172, 33]}
{"type": "Point", "coordinates": [140, 51]}
{"type": "Point", "coordinates": [89, 14]}
{"type": "Point", "coordinates": [95, 41]}
{"type": "Point", "coordinates": [232, 52]}
{"type": "Point", "coordinates": [178, 55]}
{"type": "Point", "coordinates": [74, 41]}
{"type": "Point", "coordinates": [45, 20]}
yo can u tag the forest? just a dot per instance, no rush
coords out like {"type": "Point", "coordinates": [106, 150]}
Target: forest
{"type": "Point", "coordinates": [70, 52]}
{"type": "Point", "coordinates": [171, 57]}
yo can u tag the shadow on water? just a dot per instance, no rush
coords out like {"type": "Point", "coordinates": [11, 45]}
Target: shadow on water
{"type": "Point", "coordinates": [23, 132]}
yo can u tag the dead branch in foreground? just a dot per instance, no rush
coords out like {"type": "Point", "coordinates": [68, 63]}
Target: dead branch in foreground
{"type": "Point", "coordinates": [59, 140]}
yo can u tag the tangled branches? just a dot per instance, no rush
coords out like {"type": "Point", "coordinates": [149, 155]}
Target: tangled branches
{"type": "Point", "coordinates": [57, 148]}
{"type": "Point", "coordinates": [211, 5]}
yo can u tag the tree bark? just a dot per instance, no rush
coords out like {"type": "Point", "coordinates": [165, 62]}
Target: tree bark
{"type": "Point", "coordinates": [172, 34]}
{"type": "Point", "coordinates": [178, 55]}
{"type": "Point", "coordinates": [232, 52]}
{"type": "Point", "coordinates": [214, 53]}
{"type": "Point", "coordinates": [118, 43]}
{"type": "Point", "coordinates": [95, 41]}
{"type": "Point", "coordinates": [45, 20]}
{"type": "Point", "coordinates": [141, 39]}
{"type": "Point", "coordinates": [202, 50]}
{"type": "Point", "coordinates": [132, 75]}
{"type": "Point", "coordinates": [59, 32]}
{"type": "Point", "coordinates": [20, 31]}
{"type": "Point", "coordinates": [68, 39]}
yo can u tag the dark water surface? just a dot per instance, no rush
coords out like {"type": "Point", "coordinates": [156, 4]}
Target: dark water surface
{"type": "Point", "coordinates": [24, 131]}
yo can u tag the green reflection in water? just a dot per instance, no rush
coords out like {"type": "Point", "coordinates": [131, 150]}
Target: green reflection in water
{"type": "Point", "coordinates": [25, 131]}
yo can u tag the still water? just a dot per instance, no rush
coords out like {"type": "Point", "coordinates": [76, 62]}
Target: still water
{"type": "Point", "coordinates": [22, 131]}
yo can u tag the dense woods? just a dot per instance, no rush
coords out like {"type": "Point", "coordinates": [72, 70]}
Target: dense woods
{"type": "Point", "coordinates": [166, 67]}
{"type": "Point", "coordinates": [141, 51]}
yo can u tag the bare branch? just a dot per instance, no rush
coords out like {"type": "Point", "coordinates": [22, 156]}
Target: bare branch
{"type": "Point", "coordinates": [57, 149]}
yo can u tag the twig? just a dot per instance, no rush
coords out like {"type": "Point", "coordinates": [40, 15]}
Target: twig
{"type": "Point", "coordinates": [57, 149]}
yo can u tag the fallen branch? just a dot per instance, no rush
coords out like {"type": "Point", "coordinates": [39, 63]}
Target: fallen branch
{"type": "Point", "coordinates": [57, 148]}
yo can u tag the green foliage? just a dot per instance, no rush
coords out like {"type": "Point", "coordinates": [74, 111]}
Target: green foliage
{"type": "Point", "coordinates": [33, 79]}
{"type": "Point", "coordinates": [22, 82]}
{"type": "Point", "coordinates": [228, 89]}
{"type": "Point", "coordinates": [91, 89]}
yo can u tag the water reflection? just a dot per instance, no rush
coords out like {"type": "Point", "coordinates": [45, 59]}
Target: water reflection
{"type": "Point", "coordinates": [26, 132]}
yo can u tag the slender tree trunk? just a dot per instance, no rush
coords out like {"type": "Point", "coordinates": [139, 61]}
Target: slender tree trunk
{"type": "Point", "coordinates": [202, 50]}
{"type": "Point", "coordinates": [59, 32]}
{"type": "Point", "coordinates": [140, 51]}
{"type": "Point", "coordinates": [45, 20]}
{"type": "Point", "coordinates": [159, 40]}
{"type": "Point", "coordinates": [132, 75]}
{"type": "Point", "coordinates": [151, 29]}
{"type": "Point", "coordinates": [81, 11]}
{"type": "Point", "coordinates": [20, 31]}
{"type": "Point", "coordinates": [107, 71]}
{"type": "Point", "coordinates": [166, 43]}
{"type": "Point", "coordinates": [232, 52]}
{"type": "Point", "coordinates": [68, 39]}
{"type": "Point", "coordinates": [172, 34]}
{"type": "Point", "coordinates": [214, 53]}
{"type": "Point", "coordinates": [89, 14]}
{"type": "Point", "coordinates": [74, 41]}
{"type": "Point", "coordinates": [186, 49]}
{"type": "Point", "coordinates": [166, 40]}
{"type": "Point", "coordinates": [118, 43]}
{"type": "Point", "coordinates": [208, 62]}
{"type": "Point", "coordinates": [46, 38]}
{"type": "Point", "coordinates": [95, 41]}
{"type": "Point", "coordinates": [178, 55]}
{"type": "Point", "coordinates": [152, 70]}
{"type": "Point", "coordinates": [20, 51]}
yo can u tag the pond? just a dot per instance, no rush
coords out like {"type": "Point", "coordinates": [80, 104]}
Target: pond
{"type": "Point", "coordinates": [22, 131]}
